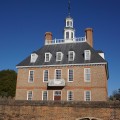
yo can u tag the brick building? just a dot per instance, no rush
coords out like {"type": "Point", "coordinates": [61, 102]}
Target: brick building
{"type": "Point", "coordinates": [68, 69]}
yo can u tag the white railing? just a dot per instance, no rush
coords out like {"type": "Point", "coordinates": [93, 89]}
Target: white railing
{"type": "Point", "coordinates": [56, 82]}
{"type": "Point", "coordinates": [62, 41]}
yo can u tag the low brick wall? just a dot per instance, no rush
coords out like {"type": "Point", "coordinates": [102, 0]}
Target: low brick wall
{"type": "Point", "coordinates": [59, 110]}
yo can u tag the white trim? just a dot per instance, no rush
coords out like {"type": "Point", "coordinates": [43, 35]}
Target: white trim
{"type": "Point", "coordinates": [60, 56]}
{"type": "Point", "coordinates": [54, 93]}
{"type": "Point", "coordinates": [68, 75]}
{"type": "Point", "coordinates": [69, 52]}
{"type": "Point", "coordinates": [84, 64]}
{"type": "Point", "coordinates": [43, 92]}
{"type": "Point", "coordinates": [29, 77]}
{"type": "Point", "coordinates": [28, 92]}
{"type": "Point", "coordinates": [50, 55]}
{"type": "Point", "coordinates": [86, 53]}
{"type": "Point", "coordinates": [85, 94]}
{"type": "Point", "coordinates": [43, 75]}
{"type": "Point", "coordinates": [85, 75]}
{"type": "Point", "coordinates": [68, 95]}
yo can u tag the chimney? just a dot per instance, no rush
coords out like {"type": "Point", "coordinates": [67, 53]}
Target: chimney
{"type": "Point", "coordinates": [89, 36]}
{"type": "Point", "coordinates": [48, 37]}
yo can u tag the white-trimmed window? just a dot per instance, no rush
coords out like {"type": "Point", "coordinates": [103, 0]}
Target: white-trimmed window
{"type": "Point", "coordinates": [29, 95]}
{"type": "Point", "coordinates": [67, 35]}
{"type": "Point", "coordinates": [58, 74]}
{"type": "Point", "coordinates": [31, 76]}
{"type": "Point", "coordinates": [48, 57]}
{"type": "Point", "coordinates": [70, 75]}
{"type": "Point", "coordinates": [44, 95]}
{"type": "Point", "coordinates": [71, 56]}
{"type": "Point", "coordinates": [59, 56]}
{"type": "Point", "coordinates": [87, 74]}
{"type": "Point", "coordinates": [46, 74]}
{"type": "Point", "coordinates": [34, 57]}
{"type": "Point", "coordinates": [69, 95]}
{"type": "Point", "coordinates": [87, 54]}
{"type": "Point", "coordinates": [87, 95]}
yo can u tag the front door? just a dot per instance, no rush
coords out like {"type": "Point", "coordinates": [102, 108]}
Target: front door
{"type": "Point", "coordinates": [57, 95]}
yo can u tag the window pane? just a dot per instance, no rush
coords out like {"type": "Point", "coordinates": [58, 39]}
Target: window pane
{"type": "Point", "coordinates": [29, 95]}
{"type": "Point", "coordinates": [70, 95]}
{"type": "Point", "coordinates": [45, 95]}
{"type": "Point", "coordinates": [70, 75]}
{"type": "Point", "coordinates": [67, 35]}
{"type": "Point", "coordinates": [87, 74]}
{"type": "Point", "coordinates": [46, 75]}
{"type": "Point", "coordinates": [47, 57]}
{"type": "Point", "coordinates": [58, 74]}
{"type": "Point", "coordinates": [87, 95]}
{"type": "Point", "coordinates": [31, 74]}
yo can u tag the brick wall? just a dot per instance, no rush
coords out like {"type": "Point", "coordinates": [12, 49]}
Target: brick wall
{"type": "Point", "coordinates": [50, 110]}
{"type": "Point", "coordinates": [97, 86]}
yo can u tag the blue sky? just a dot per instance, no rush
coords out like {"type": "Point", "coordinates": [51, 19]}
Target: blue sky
{"type": "Point", "coordinates": [23, 24]}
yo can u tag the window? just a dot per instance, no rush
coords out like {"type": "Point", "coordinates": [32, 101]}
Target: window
{"type": "Point", "coordinates": [87, 54]}
{"type": "Point", "coordinates": [59, 56]}
{"type": "Point", "coordinates": [45, 75]}
{"type": "Point", "coordinates": [67, 23]}
{"type": "Point", "coordinates": [71, 55]}
{"type": "Point", "coordinates": [71, 34]}
{"type": "Point", "coordinates": [44, 95]}
{"type": "Point", "coordinates": [47, 57]}
{"type": "Point", "coordinates": [34, 57]}
{"type": "Point", "coordinates": [87, 95]}
{"type": "Point", "coordinates": [67, 35]}
{"type": "Point", "coordinates": [29, 95]}
{"type": "Point", "coordinates": [58, 74]}
{"type": "Point", "coordinates": [31, 76]}
{"type": "Point", "coordinates": [70, 75]}
{"type": "Point", "coordinates": [87, 74]}
{"type": "Point", "coordinates": [69, 95]}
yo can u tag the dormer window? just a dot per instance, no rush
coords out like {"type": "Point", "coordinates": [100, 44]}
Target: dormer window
{"type": "Point", "coordinates": [87, 54]}
{"type": "Point", "coordinates": [71, 56]}
{"type": "Point", "coordinates": [34, 57]}
{"type": "Point", "coordinates": [48, 57]}
{"type": "Point", "coordinates": [59, 56]}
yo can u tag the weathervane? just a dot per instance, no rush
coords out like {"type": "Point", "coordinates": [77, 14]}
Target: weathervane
{"type": "Point", "coordinates": [69, 8]}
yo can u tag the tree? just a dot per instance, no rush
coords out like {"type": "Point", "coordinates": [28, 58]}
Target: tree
{"type": "Point", "coordinates": [8, 83]}
{"type": "Point", "coordinates": [115, 95]}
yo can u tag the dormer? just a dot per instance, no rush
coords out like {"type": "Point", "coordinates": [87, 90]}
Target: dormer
{"type": "Point", "coordinates": [69, 31]}
{"type": "Point", "coordinates": [87, 55]}
{"type": "Point", "coordinates": [34, 57]}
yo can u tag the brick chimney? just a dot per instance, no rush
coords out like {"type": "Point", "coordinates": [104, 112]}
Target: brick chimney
{"type": "Point", "coordinates": [89, 36]}
{"type": "Point", "coordinates": [48, 37]}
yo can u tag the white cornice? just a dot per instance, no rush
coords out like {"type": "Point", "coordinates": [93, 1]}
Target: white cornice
{"type": "Point", "coordinates": [40, 66]}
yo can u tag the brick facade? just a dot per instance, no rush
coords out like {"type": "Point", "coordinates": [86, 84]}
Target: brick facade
{"type": "Point", "coordinates": [97, 85]}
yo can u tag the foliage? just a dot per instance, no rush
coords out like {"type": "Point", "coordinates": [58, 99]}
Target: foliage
{"type": "Point", "coordinates": [115, 95]}
{"type": "Point", "coordinates": [8, 83]}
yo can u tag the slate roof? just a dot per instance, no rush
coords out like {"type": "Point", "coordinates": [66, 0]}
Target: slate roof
{"type": "Point", "coordinates": [78, 48]}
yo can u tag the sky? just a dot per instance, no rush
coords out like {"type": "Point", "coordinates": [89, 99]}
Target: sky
{"type": "Point", "coordinates": [23, 24]}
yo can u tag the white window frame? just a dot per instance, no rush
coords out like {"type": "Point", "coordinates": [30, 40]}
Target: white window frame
{"type": "Point", "coordinates": [54, 93]}
{"type": "Point", "coordinates": [69, 55]}
{"type": "Point", "coordinates": [69, 75]}
{"type": "Point", "coordinates": [85, 95]}
{"type": "Point", "coordinates": [29, 77]}
{"type": "Point", "coordinates": [87, 54]}
{"type": "Point", "coordinates": [44, 75]}
{"type": "Point", "coordinates": [43, 94]}
{"type": "Point", "coordinates": [28, 93]}
{"type": "Point", "coordinates": [59, 58]}
{"type": "Point", "coordinates": [49, 58]}
{"type": "Point", "coordinates": [68, 96]}
{"type": "Point", "coordinates": [55, 74]}
{"type": "Point", "coordinates": [87, 72]}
